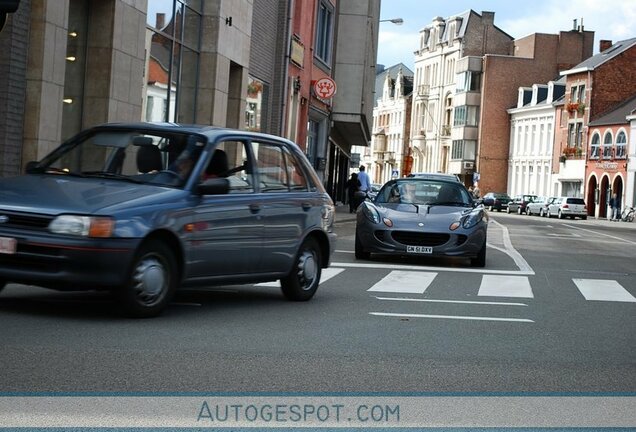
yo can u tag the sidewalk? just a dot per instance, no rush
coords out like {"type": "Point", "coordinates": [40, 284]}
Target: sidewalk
{"type": "Point", "coordinates": [342, 213]}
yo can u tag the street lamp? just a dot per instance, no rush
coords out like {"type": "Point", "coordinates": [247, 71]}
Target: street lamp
{"type": "Point", "coordinates": [396, 21]}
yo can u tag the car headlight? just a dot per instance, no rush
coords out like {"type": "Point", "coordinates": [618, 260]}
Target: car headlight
{"type": "Point", "coordinates": [371, 213]}
{"type": "Point", "coordinates": [85, 226]}
{"type": "Point", "coordinates": [472, 219]}
{"type": "Point", "coordinates": [328, 217]}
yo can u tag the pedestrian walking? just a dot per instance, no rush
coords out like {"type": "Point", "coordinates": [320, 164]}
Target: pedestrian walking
{"type": "Point", "coordinates": [353, 186]}
{"type": "Point", "coordinates": [615, 205]}
{"type": "Point", "coordinates": [476, 191]}
{"type": "Point", "coordinates": [365, 186]}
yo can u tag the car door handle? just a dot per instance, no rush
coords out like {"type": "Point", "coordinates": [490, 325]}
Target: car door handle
{"type": "Point", "coordinates": [255, 208]}
{"type": "Point", "coordinates": [306, 206]}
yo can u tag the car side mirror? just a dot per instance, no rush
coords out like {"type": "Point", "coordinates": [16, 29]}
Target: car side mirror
{"type": "Point", "coordinates": [30, 167]}
{"type": "Point", "coordinates": [214, 186]}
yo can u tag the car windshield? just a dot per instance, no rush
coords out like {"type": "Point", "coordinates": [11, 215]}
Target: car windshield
{"type": "Point", "coordinates": [139, 157]}
{"type": "Point", "coordinates": [424, 192]}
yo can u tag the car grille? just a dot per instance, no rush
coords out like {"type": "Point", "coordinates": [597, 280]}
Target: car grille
{"type": "Point", "coordinates": [29, 221]}
{"type": "Point", "coordinates": [419, 238]}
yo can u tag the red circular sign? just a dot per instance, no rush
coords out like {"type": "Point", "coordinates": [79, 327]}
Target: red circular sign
{"type": "Point", "coordinates": [325, 88]}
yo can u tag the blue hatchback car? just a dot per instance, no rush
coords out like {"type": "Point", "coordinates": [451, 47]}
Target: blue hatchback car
{"type": "Point", "coordinates": [143, 209]}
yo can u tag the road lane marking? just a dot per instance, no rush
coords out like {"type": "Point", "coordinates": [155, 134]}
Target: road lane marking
{"type": "Point", "coordinates": [455, 317]}
{"type": "Point", "coordinates": [451, 301]}
{"type": "Point", "coordinates": [404, 282]}
{"type": "Point", "coordinates": [379, 265]}
{"type": "Point", "coordinates": [505, 286]}
{"type": "Point", "coordinates": [327, 274]}
{"type": "Point", "coordinates": [511, 251]}
{"type": "Point", "coordinates": [601, 234]}
{"type": "Point", "coordinates": [603, 290]}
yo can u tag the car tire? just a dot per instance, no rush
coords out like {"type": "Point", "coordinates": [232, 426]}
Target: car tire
{"type": "Point", "coordinates": [519, 212]}
{"type": "Point", "coordinates": [528, 212]}
{"type": "Point", "coordinates": [303, 280]}
{"type": "Point", "coordinates": [508, 210]}
{"type": "Point", "coordinates": [480, 259]}
{"type": "Point", "coordinates": [547, 214]}
{"type": "Point", "coordinates": [361, 254]}
{"type": "Point", "coordinates": [559, 215]}
{"type": "Point", "coordinates": [584, 217]}
{"type": "Point", "coordinates": [152, 281]}
{"type": "Point", "coordinates": [490, 208]}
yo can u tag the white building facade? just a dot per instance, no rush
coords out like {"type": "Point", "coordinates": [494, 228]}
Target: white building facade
{"type": "Point", "coordinates": [532, 140]}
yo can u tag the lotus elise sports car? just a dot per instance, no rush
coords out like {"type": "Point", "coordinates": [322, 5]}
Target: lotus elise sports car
{"type": "Point", "coordinates": [431, 217]}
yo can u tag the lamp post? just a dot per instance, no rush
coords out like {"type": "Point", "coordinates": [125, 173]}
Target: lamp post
{"type": "Point", "coordinates": [396, 21]}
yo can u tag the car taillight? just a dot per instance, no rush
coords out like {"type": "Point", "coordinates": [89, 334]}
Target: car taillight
{"type": "Point", "coordinates": [566, 206]}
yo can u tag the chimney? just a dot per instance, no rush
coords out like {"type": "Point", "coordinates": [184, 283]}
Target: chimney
{"type": "Point", "coordinates": [604, 44]}
{"type": "Point", "coordinates": [161, 21]}
{"type": "Point", "coordinates": [574, 26]}
{"type": "Point", "coordinates": [488, 17]}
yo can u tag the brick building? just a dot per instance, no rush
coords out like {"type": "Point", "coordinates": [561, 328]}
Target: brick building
{"type": "Point", "coordinates": [600, 95]}
{"type": "Point", "coordinates": [537, 58]}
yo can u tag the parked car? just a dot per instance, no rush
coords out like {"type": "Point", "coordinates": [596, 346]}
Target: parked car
{"type": "Point", "coordinates": [571, 207]}
{"type": "Point", "coordinates": [519, 203]}
{"type": "Point", "coordinates": [539, 206]}
{"type": "Point", "coordinates": [496, 201]}
{"type": "Point", "coordinates": [143, 209]}
{"type": "Point", "coordinates": [422, 217]}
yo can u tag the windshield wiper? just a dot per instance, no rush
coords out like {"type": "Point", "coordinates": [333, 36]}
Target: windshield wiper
{"type": "Point", "coordinates": [106, 174]}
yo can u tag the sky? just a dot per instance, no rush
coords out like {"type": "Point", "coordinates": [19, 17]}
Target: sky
{"type": "Point", "coordinates": [614, 20]}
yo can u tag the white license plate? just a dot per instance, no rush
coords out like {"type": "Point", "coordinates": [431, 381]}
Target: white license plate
{"type": "Point", "coordinates": [8, 245]}
{"type": "Point", "coordinates": [419, 249]}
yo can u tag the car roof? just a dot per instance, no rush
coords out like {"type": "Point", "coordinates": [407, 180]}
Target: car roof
{"type": "Point", "coordinates": [428, 175]}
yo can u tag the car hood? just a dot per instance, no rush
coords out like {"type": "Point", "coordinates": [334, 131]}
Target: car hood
{"type": "Point", "coordinates": [52, 194]}
{"type": "Point", "coordinates": [432, 214]}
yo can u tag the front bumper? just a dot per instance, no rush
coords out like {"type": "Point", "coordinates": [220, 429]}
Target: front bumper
{"type": "Point", "coordinates": [67, 263]}
{"type": "Point", "coordinates": [460, 243]}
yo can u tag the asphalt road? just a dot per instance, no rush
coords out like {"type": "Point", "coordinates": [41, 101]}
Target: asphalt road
{"type": "Point", "coordinates": [553, 311]}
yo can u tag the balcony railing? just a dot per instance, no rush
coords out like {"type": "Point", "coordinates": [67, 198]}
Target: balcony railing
{"type": "Point", "coordinates": [423, 90]}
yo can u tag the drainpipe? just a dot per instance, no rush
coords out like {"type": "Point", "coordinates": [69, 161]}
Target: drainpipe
{"type": "Point", "coordinates": [286, 57]}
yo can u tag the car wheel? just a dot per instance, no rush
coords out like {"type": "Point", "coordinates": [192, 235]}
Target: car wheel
{"type": "Point", "coordinates": [508, 210]}
{"type": "Point", "coordinates": [360, 252]}
{"type": "Point", "coordinates": [584, 217]}
{"type": "Point", "coordinates": [519, 211]}
{"type": "Point", "coordinates": [560, 215]}
{"type": "Point", "coordinates": [152, 282]}
{"type": "Point", "coordinates": [490, 208]}
{"type": "Point", "coordinates": [301, 284]}
{"type": "Point", "coordinates": [480, 259]}
{"type": "Point", "coordinates": [548, 215]}
{"type": "Point", "coordinates": [528, 212]}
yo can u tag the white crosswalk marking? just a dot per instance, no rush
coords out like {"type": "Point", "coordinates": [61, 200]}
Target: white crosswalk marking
{"type": "Point", "coordinates": [327, 274]}
{"type": "Point", "coordinates": [505, 286]}
{"type": "Point", "coordinates": [603, 290]}
{"type": "Point", "coordinates": [411, 282]}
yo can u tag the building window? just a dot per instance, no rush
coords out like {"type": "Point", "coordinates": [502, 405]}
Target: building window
{"type": "Point", "coordinates": [595, 146]}
{"type": "Point", "coordinates": [607, 146]}
{"type": "Point", "coordinates": [466, 116]}
{"type": "Point", "coordinates": [324, 30]}
{"type": "Point", "coordinates": [621, 144]}
{"type": "Point", "coordinates": [463, 150]}
{"type": "Point", "coordinates": [468, 81]}
{"type": "Point", "coordinates": [172, 64]}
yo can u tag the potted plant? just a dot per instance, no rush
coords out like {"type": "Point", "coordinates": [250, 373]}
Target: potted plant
{"type": "Point", "coordinates": [572, 106]}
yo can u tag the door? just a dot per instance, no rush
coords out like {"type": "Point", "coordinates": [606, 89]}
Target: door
{"type": "Point", "coordinates": [229, 228]}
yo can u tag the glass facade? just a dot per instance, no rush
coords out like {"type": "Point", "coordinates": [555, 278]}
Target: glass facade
{"type": "Point", "coordinates": [173, 46]}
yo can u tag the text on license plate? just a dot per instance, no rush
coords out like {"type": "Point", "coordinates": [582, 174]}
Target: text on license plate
{"type": "Point", "coordinates": [419, 249]}
{"type": "Point", "coordinates": [7, 245]}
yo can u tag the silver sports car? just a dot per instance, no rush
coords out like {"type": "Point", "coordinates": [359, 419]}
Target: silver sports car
{"type": "Point", "coordinates": [432, 217]}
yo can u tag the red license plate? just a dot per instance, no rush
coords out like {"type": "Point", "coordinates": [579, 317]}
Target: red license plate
{"type": "Point", "coordinates": [8, 245]}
